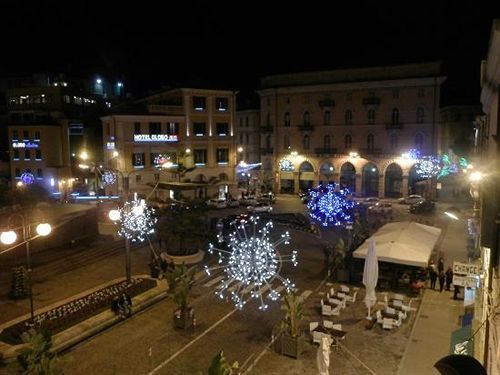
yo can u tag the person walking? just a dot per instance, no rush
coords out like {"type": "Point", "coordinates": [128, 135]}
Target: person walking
{"type": "Point", "coordinates": [441, 281]}
{"type": "Point", "coordinates": [449, 278]}
{"type": "Point", "coordinates": [440, 266]}
{"type": "Point", "coordinates": [433, 274]}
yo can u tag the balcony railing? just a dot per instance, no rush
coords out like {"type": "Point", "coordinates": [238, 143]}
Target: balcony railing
{"type": "Point", "coordinates": [325, 151]}
{"type": "Point", "coordinates": [326, 103]}
{"type": "Point", "coordinates": [372, 100]}
{"type": "Point", "coordinates": [391, 126]}
{"type": "Point", "coordinates": [306, 127]}
{"type": "Point", "coordinates": [266, 151]}
{"type": "Point", "coordinates": [370, 151]}
{"type": "Point", "coordinates": [266, 128]}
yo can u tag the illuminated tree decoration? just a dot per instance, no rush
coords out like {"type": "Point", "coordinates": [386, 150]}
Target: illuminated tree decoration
{"type": "Point", "coordinates": [27, 178]}
{"type": "Point", "coordinates": [136, 220]}
{"type": "Point", "coordinates": [252, 263]}
{"type": "Point", "coordinates": [286, 165]}
{"type": "Point", "coordinates": [108, 177]}
{"type": "Point", "coordinates": [428, 166]}
{"type": "Point", "coordinates": [330, 206]}
{"type": "Point", "coordinates": [412, 154]}
{"type": "Point", "coordinates": [451, 165]}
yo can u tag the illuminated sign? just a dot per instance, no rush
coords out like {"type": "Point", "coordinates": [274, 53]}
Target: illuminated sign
{"type": "Point", "coordinates": [155, 138]}
{"type": "Point", "coordinates": [110, 145]}
{"type": "Point", "coordinates": [24, 145]}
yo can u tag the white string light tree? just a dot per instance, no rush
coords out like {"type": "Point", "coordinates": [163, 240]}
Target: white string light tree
{"type": "Point", "coordinates": [252, 263]}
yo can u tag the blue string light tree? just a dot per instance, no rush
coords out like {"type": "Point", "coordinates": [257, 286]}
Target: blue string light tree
{"type": "Point", "coordinates": [330, 206]}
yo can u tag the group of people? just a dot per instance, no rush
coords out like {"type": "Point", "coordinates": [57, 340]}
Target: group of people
{"type": "Point", "coordinates": [122, 305]}
{"type": "Point", "coordinates": [437, 273]}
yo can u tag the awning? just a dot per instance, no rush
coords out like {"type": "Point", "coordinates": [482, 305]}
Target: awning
{"type": "Point", "coordinates": [403, 242]}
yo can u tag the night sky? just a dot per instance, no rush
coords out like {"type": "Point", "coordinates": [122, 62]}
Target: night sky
{"type": "Point", "coordinates": [230, 44]}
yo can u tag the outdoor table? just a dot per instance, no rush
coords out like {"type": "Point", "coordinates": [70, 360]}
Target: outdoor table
{"type": "Point", "coordinates": [335, 334]}
{"type": "Point", "coordinates": [389, 315]}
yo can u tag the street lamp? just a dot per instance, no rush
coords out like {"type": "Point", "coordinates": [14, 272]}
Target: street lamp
{"type": "Point", "coordinates": [85, 156]}
{"type": "Point", "coordinates": [9, 237]}
{"type": "Point", "coordinates": [136, 222]}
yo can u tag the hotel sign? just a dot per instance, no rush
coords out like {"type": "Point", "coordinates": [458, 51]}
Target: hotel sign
{"type": "Point", "coordinates": [24, 145]}
{"type": "Point", "coordinates": [155, 138]}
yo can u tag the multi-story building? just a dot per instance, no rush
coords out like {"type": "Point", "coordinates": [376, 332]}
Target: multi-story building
{"type": "Point", "coordinates": [247, 135]}
{"type": "Point", "coordinates": [189, 127]}
{"type": "Point", "coordinates": [46, 125]}
{"type": "Point", "coordinates": [350, 126]}
{"type": "Point", "coordinates": [487, 194]}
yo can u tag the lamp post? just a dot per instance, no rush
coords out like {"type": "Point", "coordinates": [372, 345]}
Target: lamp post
{"type": "Point", "coordinates": [10, 236]}
{"type": "Point", "coordinates": [84, 156]}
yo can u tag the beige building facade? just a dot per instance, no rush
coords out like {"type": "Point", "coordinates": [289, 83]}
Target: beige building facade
{"type": "Point", "coordinates": [349, 126]}
{"type": "Point", "coordinates": [189, 127]}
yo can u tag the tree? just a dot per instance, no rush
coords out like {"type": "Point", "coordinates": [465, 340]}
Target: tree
{"type": "Point", "coordinates": [36, 358]}
{"type": "Point", "coordinates": [339, 258]}
{"type": "Point", "coordinates": [292, 305]}
{"type": "Point", "coordinates": [182, 166]}
{"type": "Point", "coordinates": [183, 228]}
{"type": "Point", "coordinates": [219, 365]}
{"type": "Point", "coordinates": [180, 281]}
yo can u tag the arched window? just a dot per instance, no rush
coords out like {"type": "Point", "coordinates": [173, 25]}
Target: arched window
{"type": "Point", "coordinates": [420, 115]}
{"type": "Point", "coordinates": [370, 142]}
{"type": "Point", "coordinates": [287, 119]}
{"type": "Point", "coordinates": [419, 141]}
{"type": "Point", "coordinates": [306, 142]}
{"type": "Point", "coordinates": [347, 141]}
{"type": "Point", "coordinates": [327, 117]}
{"type": "Point", "coordinates": [371, 116]}
{"type": "Point", "coordinates": [348, 117]}
{"type": "Point", "coordinates": [395, 116]}
{"type": "Point", "coordinates": [326, 142]}
{"type": "Point", "coordinates": [307, 120]}
{"type": "Point", "coordinates": [394, 142]}
{"type": "Point", "coordinates": [286, 141]}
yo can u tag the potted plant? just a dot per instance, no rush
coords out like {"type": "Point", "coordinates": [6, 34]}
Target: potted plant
{"type": "Point", "coordinates": [180, 281]}
{"type": "Point", "coordinates": [219, 366]}
{"type": "Point", "coordinates": [35, 357]}
{"type": "Point", "coordinates": [291, 333]}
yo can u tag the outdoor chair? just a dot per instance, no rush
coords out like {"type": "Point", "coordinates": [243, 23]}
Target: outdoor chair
{"type": "Point", "coordinates": [352, 298]}
{"type": "Point", "coordinates": [336, 310]}
{"type": "Point", "coordinates": [344, 288]}
{"type": "Point", "coordinates": [312, 326]}
{"type": "Point", "coordinates": [408, 307]}
{"type": "Point", "coordinates": [341, 295]}
{"type": "Point", "coordinates": [399, 297]}
{"type": "Point", "coordinates": [336, 302]}
{"type": "Point", "coordinates": [378, 314]}
{"type": "Point", "coordinates": [402, 315]}
{"type": "Point", "coordinates": [318, 335]}
{"type": "Point", "coordinates": [338, 327]}
{"type": "Point", "coordinates": [397, 302]}
{"type": "Point", "coordinates": [326, 310]}
{"type": "Point", "coordinates": [387, 323]}
{"type": "Point", "coordinates": [332, 291]}
{"type": "Point", "coordinates": [390, 310]}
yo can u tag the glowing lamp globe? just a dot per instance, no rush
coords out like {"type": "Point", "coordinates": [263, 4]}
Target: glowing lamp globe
{"type": "Point", "coordinates": [8, 238]}
{"type": "Point", "coordinates": [43, 229]}
{"type": "Point", "coordinates": [114, 215]}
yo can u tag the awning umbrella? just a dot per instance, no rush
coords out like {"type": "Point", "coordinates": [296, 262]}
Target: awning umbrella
{"type": "Point", "coordinates": [323, 356]}
{"type": "Point", "coordinates": [370, 275]}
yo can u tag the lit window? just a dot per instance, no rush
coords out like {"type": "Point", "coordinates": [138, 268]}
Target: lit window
{"type": "Point", "coordinates": [138, 160]}
{"type": "Point", "coordinates": [287, 119]}
{"type": "Point", "coordinates": [199, 103]}
{"type": "Point", "coordinates": [27, 155]}
{"type": "Point", "coordinates": [16, 154]}
{"type": "Point", "coordinates": [222, 156]}
{"type": "Point", "coordinates": [199, 129]}
{"type": "Point", "coordinates": [222, 128]}
{"type": "Point", "coordinates": [38, 154]}
{"type": "Point", "coordinates": [200, 156]}
{"type": "Point", "coordinates": [221, 104]}
{"type": "Point", "coordinates": [39, 173]}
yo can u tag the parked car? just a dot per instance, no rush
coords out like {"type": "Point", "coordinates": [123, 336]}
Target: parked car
{"type": "Point", "coordinates": [411, 199]}
{"type": "Point", "coordinates": [381, 207]}
{"type": "Point", "coordinates": [370, 201]}
{"type": "Point", "coordinates": [217, 203]}
{"type": "Point", "coordinates": [422, 207]}
{"type": "Point", "coordinates": [248, 201]}
{"type": "Point", "coordinates": [260, 207]}
{"type": "Point", "coordinates": [233, 203]}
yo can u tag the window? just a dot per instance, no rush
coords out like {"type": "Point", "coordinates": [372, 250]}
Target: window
{"type": "Point", "coordinates": [287, 119]}
{"type": "Point", "coordinates": [154, 128]}
{"type": "Point", "coordinates": [38, 154]}
{"type": "Point", "coordinates": [421, 93]}
{"type": "Point", "coordinates": [246, 122]}
{"type": "Point", "coordinates": [247, 138]}
{"type": "Point", "coordinates": [138, 160]}
{"type": "Point", "coordinates": [138, 178]}
{"type": "Point", "coordinates": [200, 157]}
{"type": "Point", "coordinates": [199, 103]}
{"type": "Point", "coordinates": [173, 128]}
{"type": "Point", "coordinates": [395, 94]}
{"type": "Point", "coordinates": [199, 129]}
{"type": "Point", "coordinates": [327, 117]}
{"type": "Point", "coordinates": [419, 141]}
{"type": "Point", "coordinates": [370, 142]}
{"type": "Point", "coordinates": [347, 141]}
{"type": "Point", "coordinates": [241, 122]}
{"type": "Point", "coordinates": [241, 139]}
{"type": "Point", "coordinates": [348, 117]}
{"type": "Point", "coordinates": [67, 99]}
{"type": "Point", "coordinates": [268, 119]}
{"type": "Point", "coordinates": [39, 173]}
{"type": "Point", "coordinates": [394, 142]}
{"type": "Point", "coordinates": [15, 136]}
{"type": "Point", "coordinates": [26, 135]}
{"type": "Point", "coordinates": [395, 116]}
{"type": "Point", "coordinates": [222, 128]}
{"type": "Point", "coordinates": [221, 104]}
{"type": "Point", "coordinates": [348, 96]}
{"type": "Point", "coordinates": [326, 142]}
{"type": "Point", "coordinates": [307, 119]}
{"type": "Point", "coordinates": [37, 135]}
{"type": "Point", "coordinates": [420, 115]}
{"type": "Point", "coordinates": [371, 116]}
{"type": "Point", "coordinates": [306, 142]}
{"type": "Point", "coordinates": [27, 155]}
{"type": "Point", "coordinates": [222, 155]}
{"type": "Point", "coordinates": [137, 128]}
{"type": "Point", "coordinates": [18, 172]}
{"type": "Point", "coordinates": [16, 154]}
{"type": "Point", "coordinates": [286, 141]}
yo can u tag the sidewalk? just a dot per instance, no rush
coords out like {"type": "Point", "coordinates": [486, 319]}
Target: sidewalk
{"type": "Point", "coordinates": [438, 314]}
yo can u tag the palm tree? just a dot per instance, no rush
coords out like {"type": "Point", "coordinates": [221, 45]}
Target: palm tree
{"type": "Point", "coordinates": [182, 166]}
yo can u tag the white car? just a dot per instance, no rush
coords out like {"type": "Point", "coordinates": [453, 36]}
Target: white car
{"type": "Point", "coordinates": [384, 207]}
{"type": "Point", "coordinates": [370, 201]}
{"type": "Point", "coordinates": [261, 207]}
{"type": "Point", "coordinates": [411, 199]}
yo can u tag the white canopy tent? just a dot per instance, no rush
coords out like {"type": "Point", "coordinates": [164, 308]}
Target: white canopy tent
{"type": "Point", "coordinates": [403, 242]}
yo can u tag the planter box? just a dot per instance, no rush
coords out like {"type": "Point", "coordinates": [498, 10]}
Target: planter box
{"type": "Point", "coordinates": [184, 319]}
{"type": "Point", "coordinates": [290, 346]}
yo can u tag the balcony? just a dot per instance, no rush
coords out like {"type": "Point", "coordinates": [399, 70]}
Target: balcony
{"type": "Point", "coordinates": [391, 126]}
{"type": "Point", "coordinates": [266, 151]}
{"type": "Point", "coordinates": [306, 127]}
{"type": "Point", "coordinates": [326, 103]}
{"type": "Point", "coordinates": [372, 100]}
{"type": "Point", "coordinates": [370, 151]}
{"type": "Point", "coordinates": [325, 151]}
{"type": "Point", "coordinates": [266, 128]}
